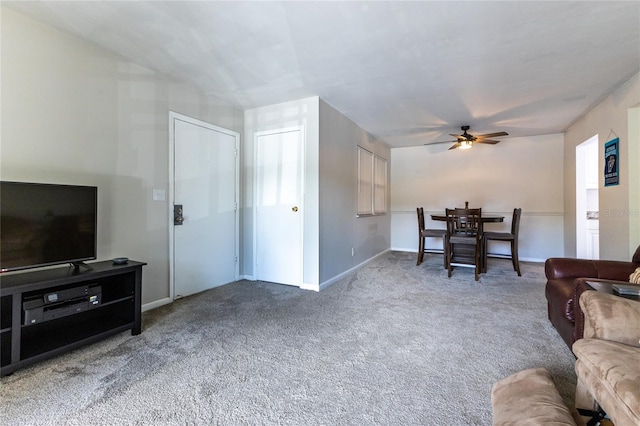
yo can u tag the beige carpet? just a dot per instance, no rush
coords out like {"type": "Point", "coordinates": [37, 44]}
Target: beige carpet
{"type": "Point", "coordinates": [394, 344]}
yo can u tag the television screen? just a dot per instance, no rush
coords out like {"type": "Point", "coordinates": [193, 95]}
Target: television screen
{"type": "Point", "coordinates": [46, 224]}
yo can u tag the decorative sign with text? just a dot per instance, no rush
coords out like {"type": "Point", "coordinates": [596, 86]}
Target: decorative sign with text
{"type": "Point", "coordinates": [611, 157]}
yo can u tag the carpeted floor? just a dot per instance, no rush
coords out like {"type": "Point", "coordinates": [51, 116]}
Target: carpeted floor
{"type": "Point", "coordinates": [394, 344]}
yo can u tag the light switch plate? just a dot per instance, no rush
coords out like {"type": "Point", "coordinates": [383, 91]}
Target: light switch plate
{"type": "Point", "coordinates": [158, 195]}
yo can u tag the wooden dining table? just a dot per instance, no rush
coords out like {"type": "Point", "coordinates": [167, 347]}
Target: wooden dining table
{"type": "Point", "coordinates": [485, 218]}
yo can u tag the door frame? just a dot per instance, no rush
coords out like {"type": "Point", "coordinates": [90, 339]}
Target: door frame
{"type": "Point", "coordinates": [256, 136]}
{"type": "Point", "coordinates": [177, 116]}
{"type": "Point", "coordinates": [586, 151]}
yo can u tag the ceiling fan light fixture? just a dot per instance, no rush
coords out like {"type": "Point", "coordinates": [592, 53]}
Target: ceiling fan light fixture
{"type": "Point", "coordinates": [466, 140]}
{"type": "Point", "coordinates": [465, 145]}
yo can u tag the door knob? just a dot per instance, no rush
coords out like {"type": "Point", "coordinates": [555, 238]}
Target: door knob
{"type": "Point", "coordinates": [294, 208]}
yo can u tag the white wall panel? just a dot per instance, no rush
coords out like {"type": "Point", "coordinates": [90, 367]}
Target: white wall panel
{"type": "Point", "coordinates": [518, 172]}
{"type": "Point", "coordinates": [618, 205]}
{"type": "Point", "coordinates": [75, 113]}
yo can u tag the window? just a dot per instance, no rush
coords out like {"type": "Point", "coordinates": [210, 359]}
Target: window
{"type": "Point", "coordinates": [380, 185]}
{"type": "Point", "coordinates": [372, 184]}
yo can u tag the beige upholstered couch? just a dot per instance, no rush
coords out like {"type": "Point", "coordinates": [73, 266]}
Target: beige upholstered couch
{"type": "Point", "coordinates": [608, 357]}
{"type": "Point", "coordinates": [607, 366]}
{"type": "Point", "coordinates": [530, 397]}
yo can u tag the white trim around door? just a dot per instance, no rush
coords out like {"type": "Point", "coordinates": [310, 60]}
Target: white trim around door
{"type": "Point", "coordinates": [173, 117]}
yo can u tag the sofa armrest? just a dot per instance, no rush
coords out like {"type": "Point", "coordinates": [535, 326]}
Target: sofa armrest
{"type": "Point", "coordinates": [609, 317]}
{"type": "Point", "coordinates": [565, 267]}
{"type": "Point", "coordinates": [580, 285]}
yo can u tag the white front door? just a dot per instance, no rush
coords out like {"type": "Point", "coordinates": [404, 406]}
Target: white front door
{"type": "Point", "coordinates": [205, 185]}
{"type": "Point", "coordinates": [279, 215]}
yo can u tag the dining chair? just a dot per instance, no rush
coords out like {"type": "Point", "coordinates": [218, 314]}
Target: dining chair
{"type": "Point", "coordinates": [463, 240]}
{"type": "Point", "coordinates": [424, 233]}
{"type": "Point", "coordinates": [511, 237]}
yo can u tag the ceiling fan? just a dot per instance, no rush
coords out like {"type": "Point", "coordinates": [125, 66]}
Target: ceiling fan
{"type": "Point", "coordinates": [466, 140]}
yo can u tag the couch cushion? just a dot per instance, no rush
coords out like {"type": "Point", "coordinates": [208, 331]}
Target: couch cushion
{"type": "Point", "coordinates": [529, 397]}
{"type": "Point", "coordinates": [611, 372]}
{"type": "Point", "coordinates": [603, 313]}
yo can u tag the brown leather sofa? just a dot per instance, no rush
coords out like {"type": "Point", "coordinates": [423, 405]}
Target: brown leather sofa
{"type": "Point", "coordinates": [566, 281]}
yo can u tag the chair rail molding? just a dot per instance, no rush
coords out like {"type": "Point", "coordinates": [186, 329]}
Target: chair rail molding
{"type": "Point", "coordinates": [541, 232]}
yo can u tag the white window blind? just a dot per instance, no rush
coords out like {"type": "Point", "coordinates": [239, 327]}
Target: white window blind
{"type": "Point", "coordinates": [372, 183]}
{"type": "Point", "coordinates": [365, 182]}
{"type": "Point", "coordinates": [380, 186]}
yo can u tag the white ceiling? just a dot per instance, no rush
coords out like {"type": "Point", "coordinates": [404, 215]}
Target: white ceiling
{"type": "Point", "coordinates": [407, 72]}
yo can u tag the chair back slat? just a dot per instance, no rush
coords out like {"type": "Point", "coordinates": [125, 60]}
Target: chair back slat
{"type": "Point", "coordinates": [463, 238]}
{"type": "Point", "coordinates": [420, 211]}
{"type": "Point", "coordinates": [464, 222]}
{"type": "Point", "coordinates": [424, 233]}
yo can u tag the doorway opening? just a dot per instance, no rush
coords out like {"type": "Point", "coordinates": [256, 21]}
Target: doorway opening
{"type": "Point", "coordinates": [587, 213]}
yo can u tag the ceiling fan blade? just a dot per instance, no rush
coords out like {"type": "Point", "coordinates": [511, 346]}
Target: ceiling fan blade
{"type": "Point", "coordinates": [466, 137]}
{"type": "Point", "coordinates": [493, 135]}
{"type": "Point", "coordinates": [436, 143]}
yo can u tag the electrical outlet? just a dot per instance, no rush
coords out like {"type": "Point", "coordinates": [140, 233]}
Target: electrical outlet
{"type": "Point", "coordinates": [353, 251]}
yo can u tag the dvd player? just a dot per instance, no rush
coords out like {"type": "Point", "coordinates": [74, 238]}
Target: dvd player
{"type": "Point", "coordinates": [62, 303]}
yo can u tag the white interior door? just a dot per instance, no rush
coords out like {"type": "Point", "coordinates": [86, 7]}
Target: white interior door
{"type": "Point", "coordinates": [279, 215]}
{"type": "Point", "coordinates": [205, 184]}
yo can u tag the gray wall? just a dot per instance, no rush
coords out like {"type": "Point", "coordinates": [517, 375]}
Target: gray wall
{"type": "Point", "coordinates": [74, 113]}
{"type": "Point", "coordinates": [340, 229]}
{"type": "Point", "coordinates": [331, 228]}
{"type": "Point", "coordinates": [619, 205]}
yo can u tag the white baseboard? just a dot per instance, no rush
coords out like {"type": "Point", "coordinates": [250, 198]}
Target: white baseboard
{"type": "Point", "coordinates": [308, 286]}
{"type": "Point", "coordinates": [350, 271]}
{"type": "Point", "coordinates": [156, 304]}
{"type": "Point", "coordinates": [316, 287]}
{"type": "Point", "coordinates": [522, 259]}
{"type": "Point", "coordinates": [408, 250]}
{"type": "Point", "coordinates": [415, 250]}
{"type": "Point", "coordinates": [532, 259]}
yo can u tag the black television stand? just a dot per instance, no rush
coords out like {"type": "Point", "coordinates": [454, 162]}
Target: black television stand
{"type": "Point", "coordinates": [78, 265]}
{"type": "Point", "coordinates": [48, 312]}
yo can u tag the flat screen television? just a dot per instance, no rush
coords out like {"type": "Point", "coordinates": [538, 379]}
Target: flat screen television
{"type": "Point", "coordinates": [46, 224]}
